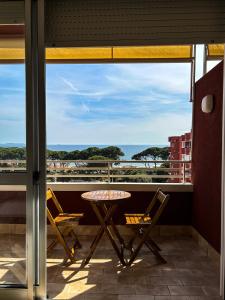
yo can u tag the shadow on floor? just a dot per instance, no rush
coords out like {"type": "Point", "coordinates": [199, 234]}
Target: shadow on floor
{"type": "Point", "coordinates": [188, 275]}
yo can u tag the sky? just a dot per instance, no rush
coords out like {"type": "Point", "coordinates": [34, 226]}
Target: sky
{"type": "Point", "coordinates": [102, 103]}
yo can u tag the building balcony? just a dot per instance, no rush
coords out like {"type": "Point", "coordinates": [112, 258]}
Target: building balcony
{"type": "Point", "coordinates": [188, 231]}
{"type": "Point", "coordinates": [192, 268]}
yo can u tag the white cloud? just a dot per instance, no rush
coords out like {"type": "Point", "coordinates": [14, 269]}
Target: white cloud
{"type": "Point", "coordinates": [146, 80]}
{"type": "Point", "coordinates": [173, 78]}
{"type": "Point", "coordinates": [76, 91]}
{"type": "Point", "coordinates": [153, 130]}
{"type": "Point", "coordinates": [110, 104]}
{"type": "Point", "coordinates": [70, 84]}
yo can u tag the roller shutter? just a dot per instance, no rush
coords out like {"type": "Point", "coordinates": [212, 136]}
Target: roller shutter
{"type": "Point", "coordinates": [11, 12]}
{"type": "Point", "coordinates": [81, 23]}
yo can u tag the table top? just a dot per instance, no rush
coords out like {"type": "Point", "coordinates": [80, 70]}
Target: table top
{"type": "Point", "coordinates": [105, 196]}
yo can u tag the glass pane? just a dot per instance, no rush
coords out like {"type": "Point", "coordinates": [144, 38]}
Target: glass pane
{"type": "Point", "coordinates": [106, 122]}
{"type": "Point", "coordinates": [12, 87]}
{"type": "Point", "coordinates": [12, 235]}
{"type": "Point", "coordinates": [12, 143]}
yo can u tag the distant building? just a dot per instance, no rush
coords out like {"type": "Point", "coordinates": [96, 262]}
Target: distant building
{"type": "Point", "coordinates": [180, 149]}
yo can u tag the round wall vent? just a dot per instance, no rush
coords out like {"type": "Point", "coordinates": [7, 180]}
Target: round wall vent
{"type": "Point", "coordinates": [207, 104]}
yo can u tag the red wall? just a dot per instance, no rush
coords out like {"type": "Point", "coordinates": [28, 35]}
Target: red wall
{"type": "Point", "coordinates": [177, 212]}
{"type": "Point", "coordinates": [207, 145]}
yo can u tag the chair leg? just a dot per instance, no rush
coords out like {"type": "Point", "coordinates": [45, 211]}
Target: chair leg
{"type": "Point", "coordinates": [131, 241]}
{"type": "Point", "coordinates": [155, 252]}
{"type": "Point", "coordinates": [56, 240]}
{"type": "Point", "coordinates": [61, 233]}
{"type": "Point", "coordinates": [70, 252]}
{"type": "Point", "coordinates": [150, 240]}
{"type": "Point", "coordinates": [77, 242]}
{"type": "Point", "coordinates": [136, 251]}
{"type": "Point", "coordinates": [69, 231]}
{"type": "Point", "coordinates": [144, 240]}
{"type": "Point", "coordinates": [154, 244]}
{"type": "Point", "coordinates": [52, 245]}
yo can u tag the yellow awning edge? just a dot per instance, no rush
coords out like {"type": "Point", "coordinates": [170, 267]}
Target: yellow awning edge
{"type": "Point", "coordinates": [120, 53]}
{"type": "Point", "coordinates": [78, 53]}
{"type": "Point", "coordinates": [8, 54]}
{"type": "Point", "coordinates": [153, 52]}
{"type": "Point", "coordinates": [105, 53]}
{"type": "Point", "coordinates": [215, 50]}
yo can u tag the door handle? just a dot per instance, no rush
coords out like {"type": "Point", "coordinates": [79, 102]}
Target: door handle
{"type": "Point", "coordinates": [36, 177]}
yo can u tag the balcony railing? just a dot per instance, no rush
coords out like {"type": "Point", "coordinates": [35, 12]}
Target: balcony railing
{"type": "Point", "coordinates": [175, 171]}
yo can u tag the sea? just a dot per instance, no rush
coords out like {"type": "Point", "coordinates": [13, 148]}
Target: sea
{"type": "Point", "coordinates": [128, 150]}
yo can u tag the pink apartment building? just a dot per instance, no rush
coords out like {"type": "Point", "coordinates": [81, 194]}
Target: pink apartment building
{"type": "Point", "coordinates": [179, 150]}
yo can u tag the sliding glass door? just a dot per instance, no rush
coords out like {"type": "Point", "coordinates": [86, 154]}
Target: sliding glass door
{"type": "Point", "coordinates": [22, 151]}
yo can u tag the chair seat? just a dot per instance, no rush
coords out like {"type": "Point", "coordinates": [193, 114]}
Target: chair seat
{"type": "Point", "coordinates": [67, 218]}
{"type": "Point", "coordinates": [135, 219]}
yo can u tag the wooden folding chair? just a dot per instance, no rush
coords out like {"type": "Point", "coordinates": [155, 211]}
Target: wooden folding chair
{"type": "Point", "coordinates": [63, 225]}
{"type": "Point", "coordinates": [142, 225]}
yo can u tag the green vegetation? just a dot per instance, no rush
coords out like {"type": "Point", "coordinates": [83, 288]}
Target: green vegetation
{"type": "Point", "coordinates": [12, 153]}
{"type": "Point", "coordinates": [111, 152]}
{"type": "Point", "coordinates": [60, 164]}
{"type": "Point", "coordinates": [154, 153]}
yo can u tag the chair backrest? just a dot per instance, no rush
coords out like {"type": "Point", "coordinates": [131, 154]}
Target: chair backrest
{"type": "Point", "coordinates": [157, 206]}
{"type": "Point", "coordinates": [50, 196]}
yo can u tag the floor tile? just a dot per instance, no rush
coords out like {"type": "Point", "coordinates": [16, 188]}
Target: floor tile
{"type": "Point", "coordinates": [211, 290]}
{"type": "Point", "coordinates": [101, 297]}
{"type": "Point", "coordinates": [152, 290]}
{"type": "Point", "coordinates": [201, 281]}
{"type": "Point", "coordinates": [119, 289]}
{"type": "Point", "coordinates": [160, 280]}
{"type": "Point", "coordinates": [204, 298]}
{"type": "Point", "coordinates": [186, 290]}
{"type": "Point", "coordinates": [171, 298]}
{"type": "Point", "coordinates": [136, 297]}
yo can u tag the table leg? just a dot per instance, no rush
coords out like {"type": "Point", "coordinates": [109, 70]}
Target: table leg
{"type": "Point", "coordinates": [100, 231]}
{"type": "Point", "coordinates": [104, 223]}
{"type": "Point", "coordinates": [116, 231]}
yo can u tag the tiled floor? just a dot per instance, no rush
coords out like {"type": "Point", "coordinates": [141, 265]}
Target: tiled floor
{"type": "Point", "coordinates": [188, 275]}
